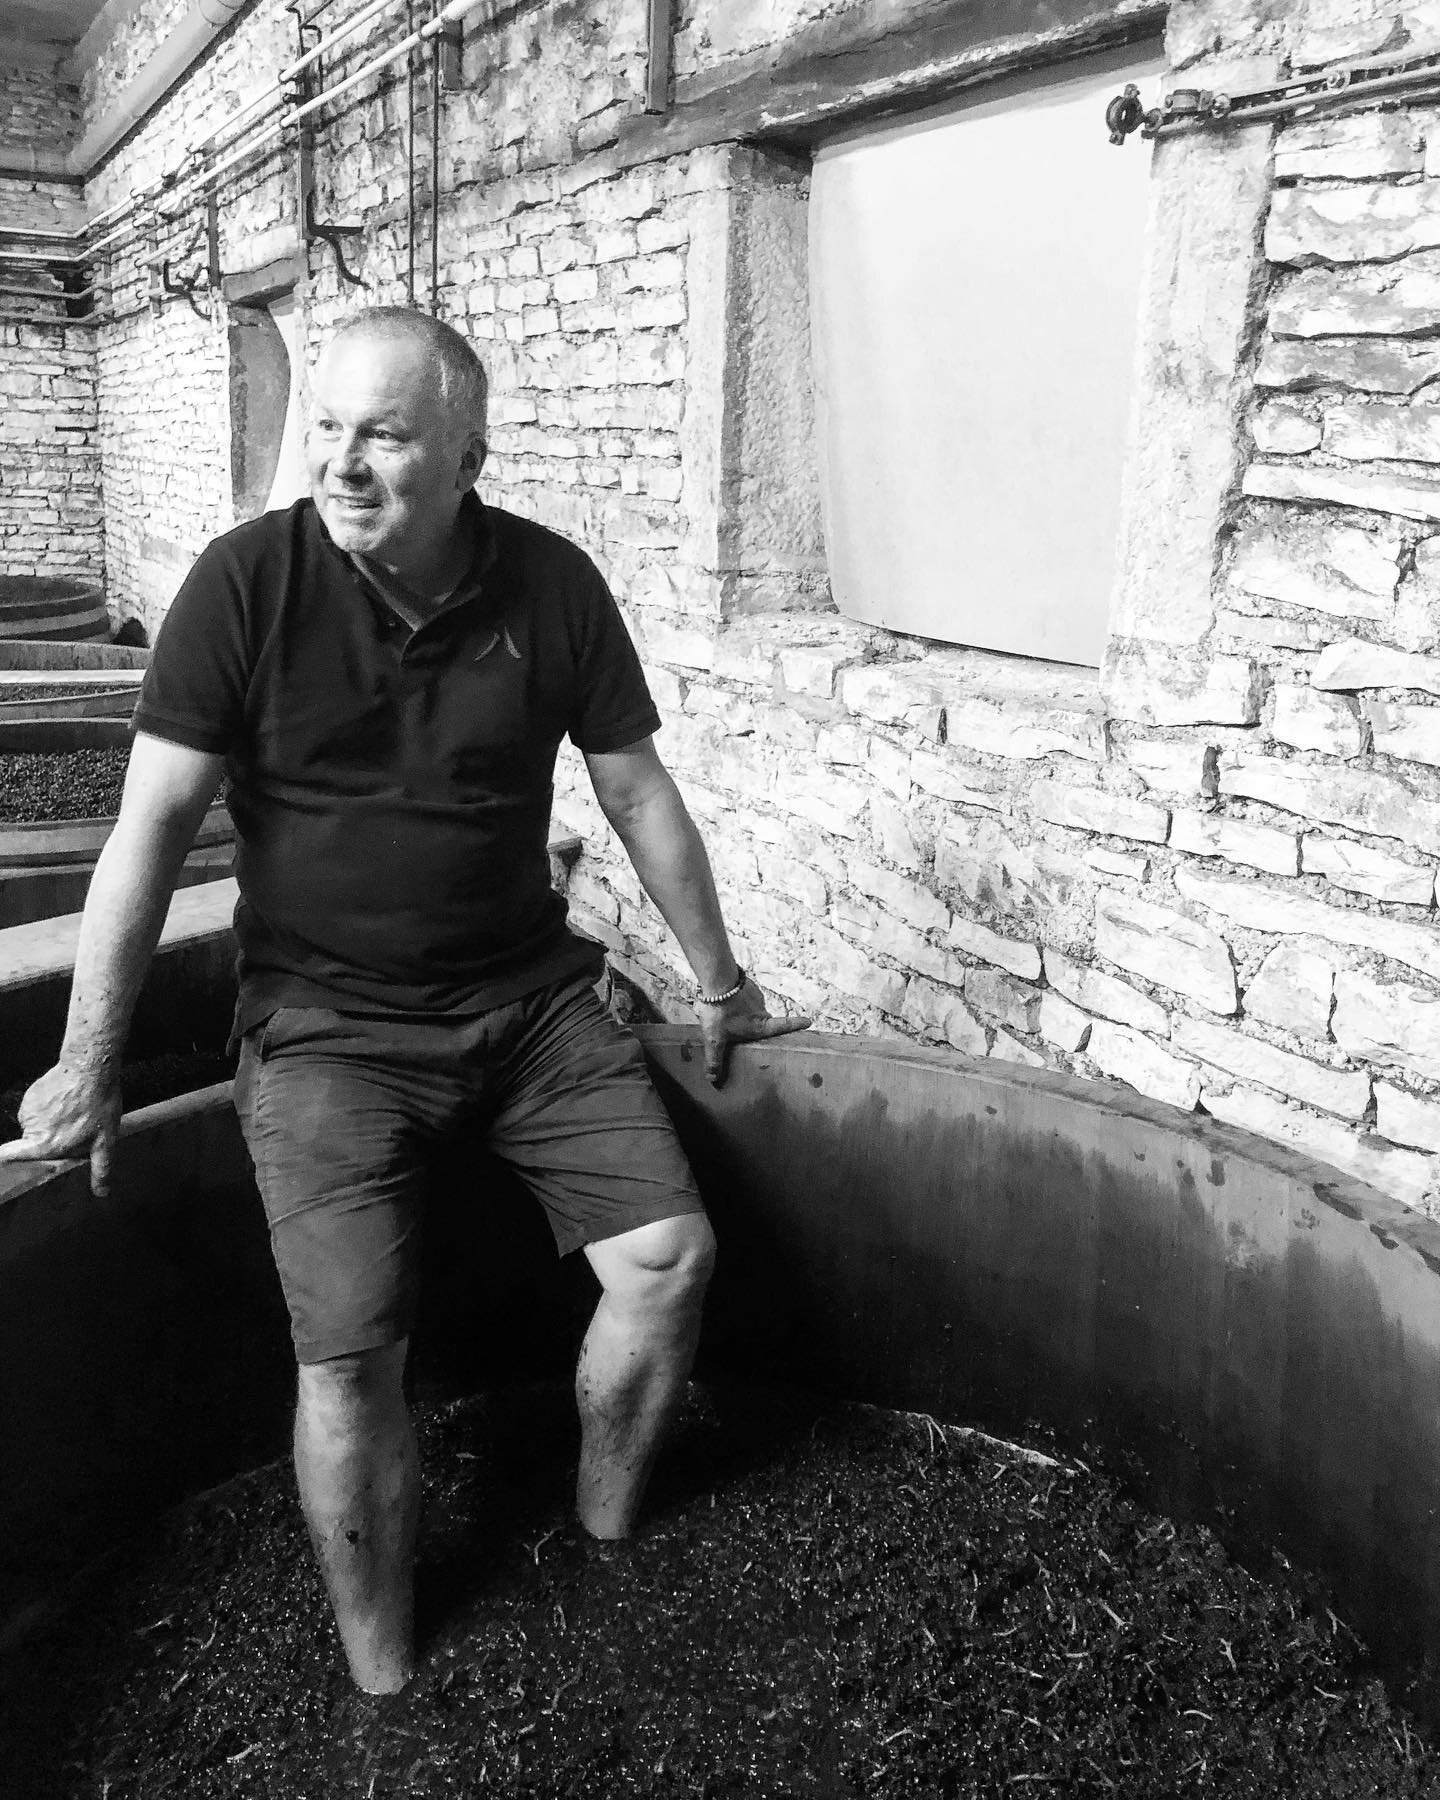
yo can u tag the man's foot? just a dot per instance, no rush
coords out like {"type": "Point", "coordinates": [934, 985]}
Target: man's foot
{"type": "Point", "coordinates": [568, 1547]}
{"type": "Point", "coordinates": [361, 1723]}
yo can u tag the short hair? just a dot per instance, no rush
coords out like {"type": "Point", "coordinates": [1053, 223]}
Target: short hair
{"type": "Point", "coordinates": [461, 374]}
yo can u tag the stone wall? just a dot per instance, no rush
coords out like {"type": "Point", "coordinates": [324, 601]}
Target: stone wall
{"type": "Point", "coordinates": [1209, 874]}
{"type": "Point", "coordinates": [165, 423]}
{"type": "Point", "coordinates": [39, 111]}
{"type": "Point", "coordinates": [121, 39]}
{"type": "Point", "coordinates": [39, 107]}
{"type": "Point", "coordinates": [50, 507]}
{"type": "Point", "coordinates": [165, 443]}
{"type": "Point", "coordinates": [51, 520]}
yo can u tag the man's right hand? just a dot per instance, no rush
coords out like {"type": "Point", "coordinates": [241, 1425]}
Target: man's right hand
{"type": "Point", "coordinates": [69, 1112]}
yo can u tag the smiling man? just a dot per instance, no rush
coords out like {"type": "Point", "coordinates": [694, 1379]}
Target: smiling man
{"type": "Point", "coordinates": [386, 671]}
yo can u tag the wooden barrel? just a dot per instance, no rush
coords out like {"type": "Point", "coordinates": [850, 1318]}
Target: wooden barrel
{"type": "Point", "coordinates": [37, 657]}
{"type": "Point", "coordinates": [101, 700]}
{"type": "Point", "coordinates": [45, 868]}
{"type": "Point", "coordinates": [61, 693]}
{"type": "Point", "coordinates": [56, 609]}
{"type": "Point", "coordinates": [62, 733]}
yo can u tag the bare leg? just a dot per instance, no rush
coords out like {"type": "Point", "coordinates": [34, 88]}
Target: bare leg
{"type": "Point", "coordinates": [356, 1464]}
{"type": "Point", "coordinates": [635, 1360]}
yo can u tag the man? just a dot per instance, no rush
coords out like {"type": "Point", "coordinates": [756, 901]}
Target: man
{"type": "Point", "coordinates": [386, 671]}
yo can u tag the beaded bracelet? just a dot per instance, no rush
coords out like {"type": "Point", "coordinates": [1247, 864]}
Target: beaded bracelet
{"type": "Point", "coordinates": [719, 999]}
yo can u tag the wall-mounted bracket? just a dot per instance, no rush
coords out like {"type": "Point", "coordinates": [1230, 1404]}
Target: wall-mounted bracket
{"type": "Point", "coordinates": [659, 37]}
{"type": "Point", "coordinates": [335, 236]}
{"type": "Point", "coordinates": [212, 241]}
{"type": "Point", "coordinates": [448, 48]}
{"type": "Point", "coordinates": [335, 232]}
{"type": "Point", "coordinates": [166, 278]}
{"type": "Point", "coordinates": [302, 25]}
{"type": "Point", "coordinates": [155, 292]}
{"type": "Point", "coordinates": [184, 286]}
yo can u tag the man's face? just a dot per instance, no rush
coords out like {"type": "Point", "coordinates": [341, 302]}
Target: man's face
{"type": "Point", "coordinates": [389, 463]}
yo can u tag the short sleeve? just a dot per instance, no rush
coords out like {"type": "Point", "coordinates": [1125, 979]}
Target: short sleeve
{"type": "Point", "coordinates": [195, 687]}
{"type": "Point", "coordinates": [613, 708]}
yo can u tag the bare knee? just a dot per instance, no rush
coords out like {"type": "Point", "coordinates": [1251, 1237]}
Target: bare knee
{"type": "Point", "coordinates": [695, 1261]}
{"type": "Point", "coordinates": [348, 1390]}
{"type": "Point", "coordinates": [662, 1268]}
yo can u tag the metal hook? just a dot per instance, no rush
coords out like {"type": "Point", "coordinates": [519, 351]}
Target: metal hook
{"type": "Point", "coordinates": [334, 236]}
{"type": "Point", "coordinates": [185, 286]}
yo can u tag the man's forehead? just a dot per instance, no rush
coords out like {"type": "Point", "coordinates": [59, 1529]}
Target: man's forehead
{"type": "Point", "coordinates": [396, 365]}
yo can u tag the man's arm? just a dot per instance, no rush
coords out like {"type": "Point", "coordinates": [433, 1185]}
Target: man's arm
{"type": "Point", "coordinates": [639, 798]}
{"type": "Point", "coordinates": [75, 1107]}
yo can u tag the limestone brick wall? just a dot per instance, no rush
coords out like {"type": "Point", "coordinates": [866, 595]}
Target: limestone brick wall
{"type": "Point", "coordinates": [51, 520]}
{"type": "Point", "coordinates": [1211, 876]}
{"type": "Point", "coordinates": [50, 510]}
{"type": "Point", "coordinates": [707, 35]}
{"type": "Point", "coordinates": [39, 109]}
{"type": "Point", "coordinates": [1209, 871]}
{"type": "Point", "coordinates": [121, 39]}
{"type": "Point", "coordinates": [164, 369]}
{"type": "Point", "coordinates": [164, 438]}
{"type": "Point", "coordinates": [39, 205]}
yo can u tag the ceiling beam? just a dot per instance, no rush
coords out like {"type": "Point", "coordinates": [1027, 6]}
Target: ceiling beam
{"type": "Point", "coordinates": [847, 70]}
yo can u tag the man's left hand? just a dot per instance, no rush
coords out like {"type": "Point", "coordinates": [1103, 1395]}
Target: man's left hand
{"type": "Point", "coordinates": [741, 1020]}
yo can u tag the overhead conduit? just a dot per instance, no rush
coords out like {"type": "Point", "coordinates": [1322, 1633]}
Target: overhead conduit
{"type": "Point", "coordinates": [168, 66]}
{"type": "Point", "coordinates": [164, 71]}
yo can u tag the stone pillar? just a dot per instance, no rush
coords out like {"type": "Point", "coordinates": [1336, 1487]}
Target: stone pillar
{"type": "Point", "coordinates": [1200, 318]}
{"type": "Point", "coordinates": [748, 439]}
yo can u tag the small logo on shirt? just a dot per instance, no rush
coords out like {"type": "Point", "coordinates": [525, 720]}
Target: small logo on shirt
{"type": "Point", "coordinates": [497, 637]}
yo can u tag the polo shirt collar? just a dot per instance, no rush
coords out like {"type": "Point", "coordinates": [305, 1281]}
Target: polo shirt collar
{"type": "Point", "coordinates": [385, 601]}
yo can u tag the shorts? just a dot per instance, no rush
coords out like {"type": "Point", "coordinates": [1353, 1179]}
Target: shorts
{"type": "Point", "coordinates": [342, 1114]}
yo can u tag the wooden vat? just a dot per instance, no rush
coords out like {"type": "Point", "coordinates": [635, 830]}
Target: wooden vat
{"type": "Point", "coordinates": [1256, 1338]}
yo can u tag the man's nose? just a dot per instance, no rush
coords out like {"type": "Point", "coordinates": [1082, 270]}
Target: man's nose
{"type": "Point", "coordinates": [347, 460]}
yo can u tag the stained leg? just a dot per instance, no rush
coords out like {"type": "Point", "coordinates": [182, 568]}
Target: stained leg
{"type": "Point", "coordinates": [635, 1361]}
{"type": "Point", "coordinates": [358, 1472]}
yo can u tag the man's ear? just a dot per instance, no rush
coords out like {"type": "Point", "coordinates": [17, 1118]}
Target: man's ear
{"type": "Point", "coordinates": [472, 461]}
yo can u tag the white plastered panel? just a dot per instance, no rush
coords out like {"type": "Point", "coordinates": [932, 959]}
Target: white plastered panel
{"type": "Point", "coordinates": [975, 282]}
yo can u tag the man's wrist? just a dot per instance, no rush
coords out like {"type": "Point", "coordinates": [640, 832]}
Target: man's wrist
{"type": "Point", "coordinates": [732, 988]}
{"type": "Point", "coordinates": [94, 1062]}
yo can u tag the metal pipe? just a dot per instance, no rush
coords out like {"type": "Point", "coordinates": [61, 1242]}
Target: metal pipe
{"type": "Point", "coordinates": [61, 294]}
{"type": "Point", "coordinates": [190, 39]}
{"type": "Point", "coordinates": [1420, 80]}
{"type": "Point", "coordinates": [199, 181]}
{"type": "Point", "coordinates": [448, 15]}
{"type": "Point", "coordinates": [435, 176]}
{"type": "Point", "coordinates": [12, 260]}
{"type": "Point", "coordinates": [38, 234]}
{"type": "Point", "coordinates": [292, 73]}
{"type": "Point", "coordinates": [266, 96]}
{"type": "Point", "coordinates": [410, 159]}
{"type": "Point", "coordinates": [452, 13]}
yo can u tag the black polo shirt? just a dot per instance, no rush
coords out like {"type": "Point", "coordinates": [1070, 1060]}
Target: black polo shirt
{"type": "Point", "coordinates": [391, 790]}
